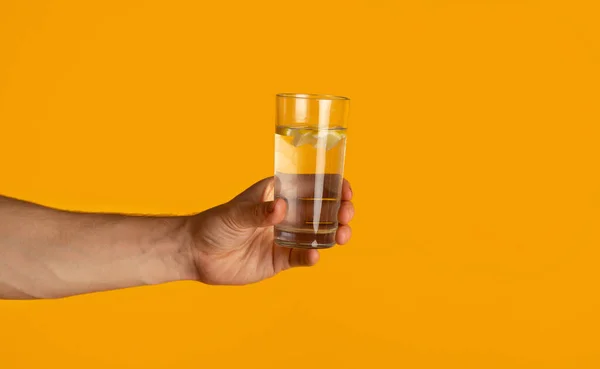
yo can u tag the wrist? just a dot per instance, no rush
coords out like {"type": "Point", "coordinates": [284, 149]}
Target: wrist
{"type": "Point", "coordinates": [178, 255]}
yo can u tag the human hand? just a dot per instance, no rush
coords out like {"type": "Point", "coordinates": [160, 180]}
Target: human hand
{"type": "Point", "coordinates": [233, 243]}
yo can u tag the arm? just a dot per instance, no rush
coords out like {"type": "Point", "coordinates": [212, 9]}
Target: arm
{"type": "Point", "coordinates": [47, 253]}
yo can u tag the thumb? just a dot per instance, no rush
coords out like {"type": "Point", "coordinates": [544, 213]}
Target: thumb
{"type": "Point", "coordinates": [252, 215]}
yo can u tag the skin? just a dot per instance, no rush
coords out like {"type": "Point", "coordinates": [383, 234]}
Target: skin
{"type": "Point", "coordinates": [49, 253]}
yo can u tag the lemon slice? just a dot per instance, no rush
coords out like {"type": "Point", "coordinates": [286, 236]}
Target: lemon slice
{"type": "Point", "coordinates": [333, 138]}
{"type": "Point", "coordinates": [284, 131]}
{"type": "Point", "coordinates": [307, 136]}
{"type": "Point", "coordinates": [329, 139]}
{"type": "Point", "coordinates": [304, 137]}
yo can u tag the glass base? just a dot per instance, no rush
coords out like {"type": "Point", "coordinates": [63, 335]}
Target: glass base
{"type": "Point", "coordinates": [303, 238]}
{"type": "Point", "coordinates": [300, 245]}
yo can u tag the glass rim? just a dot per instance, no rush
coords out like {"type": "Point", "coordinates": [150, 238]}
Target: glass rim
{"type": "Point", "coordinates": [311, 96]}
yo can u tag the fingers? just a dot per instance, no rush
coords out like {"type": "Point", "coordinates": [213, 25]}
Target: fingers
{"type": "Point", "coordinates": [346, 190]}
{"type": "Point", "coordinates": [285, 258]}
{"type": "Point", "coordinates": [343, 234]}
{"type": "Point", "coordinates": [253, 215]}
{"type": "Point", "coordinates": [345, 215]}
{"type": "Point", "coordinates": [303, 257]}
{"type": "Point", "coordinates": [346, 212]}
{"type": "Point", "coordinates": [260, 191]}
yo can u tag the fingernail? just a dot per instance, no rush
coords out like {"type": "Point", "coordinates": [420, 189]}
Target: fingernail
{"type": "Point", "coordinates": [271, 207]}
{"type": "Point", "coordinates": [350, 187]}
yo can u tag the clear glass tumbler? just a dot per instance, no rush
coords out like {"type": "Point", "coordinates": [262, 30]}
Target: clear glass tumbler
{"type": "Point", "coordinates": [310, 146]}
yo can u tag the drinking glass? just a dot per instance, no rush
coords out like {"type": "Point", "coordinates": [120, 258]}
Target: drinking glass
{"type": "Point", "coordinates": [310, 146]}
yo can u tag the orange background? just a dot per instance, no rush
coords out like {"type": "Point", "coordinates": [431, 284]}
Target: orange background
{"type": "Point", "coordinates": [473, 150]}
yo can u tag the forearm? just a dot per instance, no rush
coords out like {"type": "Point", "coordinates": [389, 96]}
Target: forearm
{"type": "Point", "coordinates": [47, 253]}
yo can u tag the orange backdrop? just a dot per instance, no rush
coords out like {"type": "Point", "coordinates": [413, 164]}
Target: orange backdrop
{"type": "Point", "coordinates": [473, 150]}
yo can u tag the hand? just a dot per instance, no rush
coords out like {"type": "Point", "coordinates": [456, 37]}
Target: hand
{"type": "Point", "coordinates": [233, 243]}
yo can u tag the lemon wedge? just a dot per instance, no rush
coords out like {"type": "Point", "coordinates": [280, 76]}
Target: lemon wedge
{"type": "Point", "coordinates": [304, 137]}
{"type": "Point", "coordinates": [315, 138]}
{"type": "Point", "coordinates": [330, 139]}
{"type": "Point", "coordinates": [284, 131]}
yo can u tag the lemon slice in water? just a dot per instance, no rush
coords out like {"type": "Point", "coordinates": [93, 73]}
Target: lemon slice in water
{"type": "Point", "coordinates": [330, 139]}
{"type": "Point", "coordinates": [317, 139]}
{"type": "Point", "coordinates": [304, 137]}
